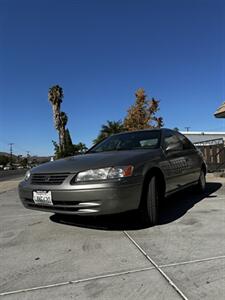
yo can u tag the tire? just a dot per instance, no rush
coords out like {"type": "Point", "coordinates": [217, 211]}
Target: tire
{"type": "Point", "coordinates": [59, 216]}
{"type": "Point", "coordinates": [150, 210]}
{"type": "Point", "coordinates": [201, 182]}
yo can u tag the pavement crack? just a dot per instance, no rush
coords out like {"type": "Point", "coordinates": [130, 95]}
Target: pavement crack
{"type": "Point", "coordinates": [110, 275]}
{"type": "Point", "coordinates": [192, 261]}
{"type": "Point", "coordinates": [166, 277]}
{"type": "Point", "coordinates": [76, 281]}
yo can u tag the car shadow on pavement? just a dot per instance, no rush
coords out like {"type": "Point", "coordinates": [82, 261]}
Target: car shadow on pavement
{"type": "Point", "coordinates": [177, 205]}
{"type": "Point", "coordinates": [173, 208]}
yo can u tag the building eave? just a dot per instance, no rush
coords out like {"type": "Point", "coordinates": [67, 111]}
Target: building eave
{"type": "Point", "coordinates": [220, 112]}
{"type": "Point", "coordinates": [203, 132]}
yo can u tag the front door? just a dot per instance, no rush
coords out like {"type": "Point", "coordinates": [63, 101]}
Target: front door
{"type": "Point", "coordinates": [175, 162]}
{"type": "Point", "coordinates": [192, 159]}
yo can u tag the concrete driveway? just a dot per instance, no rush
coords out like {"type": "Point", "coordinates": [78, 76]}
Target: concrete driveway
{"type": "Point", "coordinates": [115, 257]}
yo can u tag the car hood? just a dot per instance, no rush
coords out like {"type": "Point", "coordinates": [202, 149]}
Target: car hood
{"type": "Point", "coordinates": [87, 161]}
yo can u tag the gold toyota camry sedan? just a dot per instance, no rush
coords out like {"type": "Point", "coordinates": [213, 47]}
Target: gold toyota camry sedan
{"type": "Point", "coordinates": [127, 171]}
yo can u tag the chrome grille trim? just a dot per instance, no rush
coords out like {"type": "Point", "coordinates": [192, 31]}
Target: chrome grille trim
{"type": "Point", "coordinates": [48, 179]}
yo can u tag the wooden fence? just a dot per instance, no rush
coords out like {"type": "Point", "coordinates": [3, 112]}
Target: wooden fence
{"type": "Point", "coordinates": [214, 153]}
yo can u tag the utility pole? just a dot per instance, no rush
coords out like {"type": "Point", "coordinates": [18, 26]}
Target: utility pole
{"type": "Point", "coordinates": [187, 128]}
{"type": "Point", "coordinates": [11, 152]}
{"type": "Point", "coordinates": [28, 155]}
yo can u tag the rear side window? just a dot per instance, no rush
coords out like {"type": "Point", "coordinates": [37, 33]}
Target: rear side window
{"type": "Point", "coordinates": [170, 138]}
{"type": "Point", "coordinates": [187, 145]}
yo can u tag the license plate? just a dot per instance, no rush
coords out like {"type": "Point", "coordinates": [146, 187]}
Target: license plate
{"type": "Point", "coordinates": [42, 197]}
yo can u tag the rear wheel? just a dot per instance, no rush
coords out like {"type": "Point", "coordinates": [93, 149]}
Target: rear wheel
{"type": "Point", "coordinates": [150, 209]}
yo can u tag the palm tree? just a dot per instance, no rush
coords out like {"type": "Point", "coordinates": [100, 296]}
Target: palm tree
{"type": "Point", "coordinates": [55, 96]}
{"type": "Point", "coordinates": [62, 129]}
{"type": "Point", "coordinates": [111, 127]}
{"type": "Point", "coordinates": [79, 148]}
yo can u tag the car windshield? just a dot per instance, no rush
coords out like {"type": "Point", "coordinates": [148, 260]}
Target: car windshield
{"type": "Point", "coordinates": [129, 141]}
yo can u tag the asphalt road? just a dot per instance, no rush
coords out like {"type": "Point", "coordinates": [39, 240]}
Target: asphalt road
{"type": "Point", "coordinates": [11, 174]}
{"type": "Point", "coordinates": [115, 257]}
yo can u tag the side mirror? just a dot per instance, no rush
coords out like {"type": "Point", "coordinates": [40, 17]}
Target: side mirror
{"type": "Point", "coordinates": [174, 147]}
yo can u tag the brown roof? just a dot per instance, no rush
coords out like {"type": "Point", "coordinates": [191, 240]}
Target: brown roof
{"type": "Point", "coordinates": [220, 112]}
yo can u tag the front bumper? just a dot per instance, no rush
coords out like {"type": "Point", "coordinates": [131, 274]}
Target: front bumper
{"type": "Point", "coordinates": [87, 199]}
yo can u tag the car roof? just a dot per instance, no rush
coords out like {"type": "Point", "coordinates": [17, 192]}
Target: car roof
{"type": "Point", "coordinates": [143, 130]}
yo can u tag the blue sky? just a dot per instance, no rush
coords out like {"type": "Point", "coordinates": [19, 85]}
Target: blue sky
{"type": "Point", "coordinates": [100, 52]}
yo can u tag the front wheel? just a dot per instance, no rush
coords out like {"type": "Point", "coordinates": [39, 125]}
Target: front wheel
{"type": "Point", "coordinates": [201, 182]}
{"type": "Point", "coordinates": [150, 210]}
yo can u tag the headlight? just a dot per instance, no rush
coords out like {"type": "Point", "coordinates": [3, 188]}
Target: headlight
{"type": "Point", "coordinates": [105, 173]}
{"type": "Point", "coordinates": [27, 175]}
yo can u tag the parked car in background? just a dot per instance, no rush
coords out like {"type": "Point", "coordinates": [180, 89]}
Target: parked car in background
{"type": "Point", "coordinates": [127, 171]}
{"type": "Point", "coordinates": [6, 168]}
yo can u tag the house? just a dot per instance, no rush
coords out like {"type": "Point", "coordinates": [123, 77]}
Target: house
{"type": "Point", "coordinates": [220, 112]}
{"type": "Point", "coordinates": [212, 146]}
{"type": "Point", "coordinates": [202, 136]}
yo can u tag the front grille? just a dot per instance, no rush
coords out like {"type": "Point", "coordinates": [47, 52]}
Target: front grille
{"type": "Point", "coordinates": [48, 179]}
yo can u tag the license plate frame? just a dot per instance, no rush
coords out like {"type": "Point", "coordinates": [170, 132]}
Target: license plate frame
{"type": "Point", "coordinates": [42, 198]}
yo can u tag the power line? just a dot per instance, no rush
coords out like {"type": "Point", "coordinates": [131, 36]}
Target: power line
{"type": "Point", "coordinates": [5, 143]}
{"type": "Point", "coordinates": [11, 152]}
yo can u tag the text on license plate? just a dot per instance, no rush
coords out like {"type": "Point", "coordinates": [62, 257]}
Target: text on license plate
{"type": "Point", "coordinates": [42, 197]}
